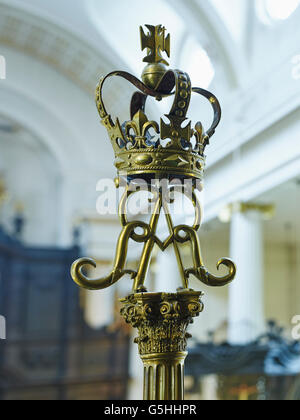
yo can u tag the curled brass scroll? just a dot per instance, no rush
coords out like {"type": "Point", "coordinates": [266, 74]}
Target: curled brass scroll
{"type": "Point", "coordinates": [178, 235]}
{"type": "Point", "coordinates": [120, 260]}
{"type": "Point", "coordinates": [199, 270]}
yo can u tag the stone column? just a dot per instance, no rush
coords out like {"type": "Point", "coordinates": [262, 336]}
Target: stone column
{"type": "Point", "coordinates": [94, 231]}
{"type": "Point", "coordinates": [246, 295]}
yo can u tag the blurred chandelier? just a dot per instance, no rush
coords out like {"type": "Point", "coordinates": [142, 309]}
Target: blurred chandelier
{"type": "Point", "coordinates": [161, 318]}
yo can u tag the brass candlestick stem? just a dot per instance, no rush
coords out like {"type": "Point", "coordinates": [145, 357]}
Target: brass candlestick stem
{"type": "Point", "coordinates": [161, 319]}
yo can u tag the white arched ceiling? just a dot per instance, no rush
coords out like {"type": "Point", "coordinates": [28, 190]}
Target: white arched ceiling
{"type": "Point", "coordinates": [61, 42]}
{"type": "Point", "coordinates": [58, 110]}
{"type": "Point", "coordinates": [234, 16]}
{"type": "Point", "coordinates": [25, 158]}
{"type": "Point", "coordinates": [183, 19]}
{"type": "Point", "coordinates": [52, 133]}
{"type": "Point", "coordinates": [69, 23]}
{"type": "Point", "coordinates": [200, 42]}
{"type": "Point", "coordinates": [92, 46]}
{"type": "Point", "coordinates": [65, 119]}
{"type": "Point", "coordinates": [119, 25]}
{"type": "Point", "coordinates": [28, 30]}
{"type": "Point", "coordinates": [111, 30]}
{"type": "Point", "coordinates": [41, 31]}
{"type": "Point", "coordinates": [206, 25]}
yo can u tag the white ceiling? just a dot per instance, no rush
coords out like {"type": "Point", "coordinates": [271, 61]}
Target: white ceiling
{"type": "Point", "coordinates": [284, 227]}
{"type": "Point", "coordinates": [110, 27]}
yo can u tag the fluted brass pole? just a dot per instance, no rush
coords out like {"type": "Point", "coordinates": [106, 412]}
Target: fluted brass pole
{"type": "Point", "coordinates": [162, 319]}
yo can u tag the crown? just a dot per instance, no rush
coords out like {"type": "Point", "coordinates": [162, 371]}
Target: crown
{"type": "Point", "coordinates": [172, 148]}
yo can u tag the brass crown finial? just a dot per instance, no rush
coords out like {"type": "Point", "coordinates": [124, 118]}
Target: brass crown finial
{"type": "Point", "coordinates": [171, 147]}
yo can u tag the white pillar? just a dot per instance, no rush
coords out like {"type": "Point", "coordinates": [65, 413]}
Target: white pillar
{"type": "Point", "coordinates": [98, 237]}
{"type": "Point", "coordinates": [246, 296]}
{"type": "Point", "coordinates": [136, 372]}
{"type": "Point", "coordinates": [99, 308]}
{"type": "Point", "coordinates": [167, 277]}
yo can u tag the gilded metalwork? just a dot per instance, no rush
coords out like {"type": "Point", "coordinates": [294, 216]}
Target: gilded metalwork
{"type": "Point", "coordinates": [179, 235]}
{"type": "Point", "coordinates": [137, 150]}
{"type": "Point", "coordinates": [169, 313]}
{"type": "Point", "coordinates": [266, 210]}
{"type": "Point", "coordinates": [162, 320]}
{"type": "Point", "coordinates": [171, 149]}
{"type": "Point", "coordinates": [156, 43]}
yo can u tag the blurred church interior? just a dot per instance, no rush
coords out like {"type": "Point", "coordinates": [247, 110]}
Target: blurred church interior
{"type": "Point", "coordinates": [66, 344]}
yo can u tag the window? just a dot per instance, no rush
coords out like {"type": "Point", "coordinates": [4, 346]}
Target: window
{"type": "Point", "coordinates": [197, 63]}
{"type": "Point", "coordinates": [276, 10]}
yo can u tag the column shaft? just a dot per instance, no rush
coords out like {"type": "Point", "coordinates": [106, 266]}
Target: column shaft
{"type": "Point", "coordinates": [246, 296]}
{"type": "Point", "coordinates": [164, 376]}
{"type": "Point", "coordinates": [167, 276]}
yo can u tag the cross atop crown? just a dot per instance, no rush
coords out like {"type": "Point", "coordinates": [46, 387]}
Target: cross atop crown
{"type": "Point", "coordinates": [156, 43]}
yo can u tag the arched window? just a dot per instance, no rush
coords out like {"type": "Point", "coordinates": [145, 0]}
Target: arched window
{"type": "Point", "coordinates": [276, 10]}
{"type": "Point", "coordinates": [197, 63]}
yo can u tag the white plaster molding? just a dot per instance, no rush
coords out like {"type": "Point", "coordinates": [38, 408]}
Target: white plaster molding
{"type": "Point", "coordinates": [205, 24]}
{"type": "Point", "coordinates": [255, 108]}
{"type": "Point", "coordinates": [273, 160]}
{"type": "Point", "coordinates": [37, 35]}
